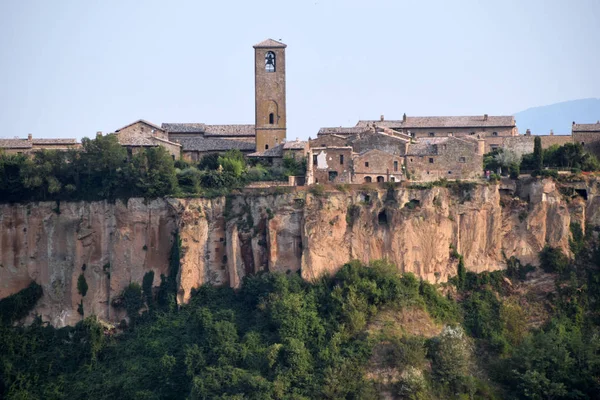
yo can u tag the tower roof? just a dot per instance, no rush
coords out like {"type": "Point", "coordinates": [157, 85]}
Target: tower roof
{"type": "Point", "coordinates": [269, 43]}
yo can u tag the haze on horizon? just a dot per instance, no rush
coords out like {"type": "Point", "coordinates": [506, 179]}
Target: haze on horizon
{"type": "Point", "coordinates": [70, 68]}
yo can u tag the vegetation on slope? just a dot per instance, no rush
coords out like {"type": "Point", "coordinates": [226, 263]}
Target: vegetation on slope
{"type": "Point", "coordinates": [279, 337]}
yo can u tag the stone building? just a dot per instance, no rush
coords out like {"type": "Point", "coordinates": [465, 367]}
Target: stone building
{"type": "Point", "coordinates": [445, 157]}
{"type": "Point", "coordinates": [588, 135]}
{"type": "Point", "coordinates": [329, 165]}
{"type": "Point", "coordinates": [142, 134]}
{"type": "Point", "coordinates": [31, 144]}
{"type": "Point", "coordinates": [297, 150]}
{"type": "Point", "coordinates": [377, 166]}
{"type": "Point", "coordinates": [488, 127]}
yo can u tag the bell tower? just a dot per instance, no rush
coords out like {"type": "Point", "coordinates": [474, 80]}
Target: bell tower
{"type": "Point", "coordinates": [269, 86]}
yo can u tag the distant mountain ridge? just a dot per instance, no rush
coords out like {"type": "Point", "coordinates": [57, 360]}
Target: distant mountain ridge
{"type": "Point", "coordinates": [558, 117]}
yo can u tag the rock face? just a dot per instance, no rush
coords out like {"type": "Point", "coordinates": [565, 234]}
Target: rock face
{"type": "Point", "coordinates": [224, 239]}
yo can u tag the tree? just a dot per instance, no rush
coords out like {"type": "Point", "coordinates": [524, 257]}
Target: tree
{"type": "Point", "coordinates": [538, 157]}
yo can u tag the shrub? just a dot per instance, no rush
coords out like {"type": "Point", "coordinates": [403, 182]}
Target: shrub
{"type": "Point", "coordinates": [450, 354]}
{"type": "Point", "coordinates": [552, 259]}
{"type": "Point", "coordinates": [18, 305]}
{"type": "Point", "coordinates": [317, 190]}
{"type": "Point", "coordinates": [82, 286]}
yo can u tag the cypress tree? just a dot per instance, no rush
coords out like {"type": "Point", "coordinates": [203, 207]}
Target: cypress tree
{"type": "Point", "coordinates": [538, 157]}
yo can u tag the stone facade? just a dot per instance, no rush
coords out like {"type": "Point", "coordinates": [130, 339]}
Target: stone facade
{"type": "Point", "coordinates": [377, 166]}
{"type": "Point", "coordinates": [269, 75]}
{"type": "Point", "coordinates": [449, 158]}
{"type": "Point", "coordinates": [588, 135]}
{"type": "Point", "coordinates": [329, 165]}
{"type": "Point", "coordinates": [141, 134]}
{"type": "Point", "coordinates": [523, 144]}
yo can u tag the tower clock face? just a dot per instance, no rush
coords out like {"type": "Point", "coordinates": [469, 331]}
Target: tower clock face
{"type": "Point", "coordinates": [270, 61]}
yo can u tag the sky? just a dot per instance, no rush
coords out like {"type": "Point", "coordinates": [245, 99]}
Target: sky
{"type": "Point", "coordinates": [70, 68]}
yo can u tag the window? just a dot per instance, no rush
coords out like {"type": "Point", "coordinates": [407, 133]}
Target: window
{"type": "Point", "coordinates": [411, 160]}
{"type": "Point", "coordinates": [395, 166]}
{"type": "Point", "coordinates": [462, 159]}
{"type": "Point", "coordinates": [494, 133]}
{"type": "Point", "coordinates": [271, 118]}
{"type": "Point", "coordinates": [449, 172]}
{"type": "Point", "coordinates": [583, 143]}
{"type": "Point", "coordinates": [472, 133]}
{"type": "Point", "coordinates": [367, 164]}
{"type": "Point", "coordinates": [493, 147]}
{"type": "Point", "coordinates": [332, 175]}
{"type": "Point", "coordinates": [341, 159]}
{"type": "Point", "coordinates": [392, 179]}
{"type": "Point", "coordinates": [380, 179]}
{"type": "Point", "coordinates": [315, 162]}
{"type": "Point", "coordinates": [266, 147]}
{"type": "Point", "coordinates": [430, 160]}
{"type": "Point", "coordinates": [368, 179]}
{"type": "Point", "coordinates": [270, 61]}
{"type": "Point", "coordinates": [431, 134]}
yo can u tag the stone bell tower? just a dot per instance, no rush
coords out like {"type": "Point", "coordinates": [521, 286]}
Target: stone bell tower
{"type": "Point", "coordinates": [269, 86]}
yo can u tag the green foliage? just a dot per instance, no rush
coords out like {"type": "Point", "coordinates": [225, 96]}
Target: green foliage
{"type": "Point", "coordinates": [133, 300]}
{"type": "Point", "coordinates": [538, 155]}
{"type": "Point", "coordinates": [552, 259]}
{"type": "Point", "coordinates": [576, 242]}
{"type": "Point", "coordinates": [147, 283]}
{"type": "Point", "coordinates": [82, 286]}
{"type": "Point", "coordinates": [17, 306]}
{"type": "Point", "coordinates": [451, 354]}
{"type": "Point", "coordinates": [317, 190]}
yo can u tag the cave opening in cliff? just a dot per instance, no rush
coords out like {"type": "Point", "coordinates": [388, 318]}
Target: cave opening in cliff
{"type": "Point", "coordinates": [382, 218]}
{"type": "Point", "coordinates": [582, 193]}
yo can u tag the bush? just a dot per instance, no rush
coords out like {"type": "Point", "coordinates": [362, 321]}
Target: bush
{"type": "Point", "coordinates": [82, 286]}
{"type": "Point", "coordinates": [450, 355]}
{"type": "Point", "coordinates": [552, 259]}
{"type": "Point", "coordinates": [17, 306]}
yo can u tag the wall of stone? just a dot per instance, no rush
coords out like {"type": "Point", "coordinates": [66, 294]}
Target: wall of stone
{"type": "Point", "coordinates": [590, 141]}
{"type": "Point", "coordinates": [380, 141]}
{"type": "Point", "coordinates": [329, 160]}
{"type": "Point", "coordinates": [455, 160]}
{"type": "Point", "coordinates": [444, 132]}
{"type": "Point", "coordinates": [376, 163]}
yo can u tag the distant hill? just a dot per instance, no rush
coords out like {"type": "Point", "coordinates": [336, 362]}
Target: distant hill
{"type": "Point", "coordinates": [559, 116]}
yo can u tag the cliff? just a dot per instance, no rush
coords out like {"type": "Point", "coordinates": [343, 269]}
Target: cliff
{"type": "Point", "coordinates": [225, 239]}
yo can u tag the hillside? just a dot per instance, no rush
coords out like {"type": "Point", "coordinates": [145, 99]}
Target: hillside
{"type": "Point", "coordinates": [558, 117]}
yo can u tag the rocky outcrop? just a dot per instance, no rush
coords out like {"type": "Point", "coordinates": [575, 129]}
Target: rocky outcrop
{"type": "Point", "coordinates": [224, 239]}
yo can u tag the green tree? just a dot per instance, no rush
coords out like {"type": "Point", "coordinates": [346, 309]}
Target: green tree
{"type": "Point", "coordinates": [538, 157]}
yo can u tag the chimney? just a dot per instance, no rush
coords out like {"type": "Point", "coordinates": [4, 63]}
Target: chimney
{"type": "Point", "coordinates": [573, 122]}
{"type": "Point", "coordinates": [528, 132]}
{"type": "Point", "coordinates": [381, 118]}
{"type": "Point", "coordinates": [99, 134]}
{"type": "Point", "coordinates": [551, 132]}
{"type": "Point", "coordinates": [485, 117]}
{"type": "Point", "coordinates": [29, 137]}
{"type": "Point", "coordinates": [404, 118]}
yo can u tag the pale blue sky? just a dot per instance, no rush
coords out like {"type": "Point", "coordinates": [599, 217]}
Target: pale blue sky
{"type": "Point", "coordinates": [71, 68]}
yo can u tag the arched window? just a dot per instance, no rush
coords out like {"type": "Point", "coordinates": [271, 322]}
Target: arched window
{"type": "Point", "coordinates": [380, 179]}
{"type": "Point", "coordinates": [271, 118]}
{"type": "Point", "coordinates": [270, 61]}
{"type": "Point", "coordinates": [368, 179]}
{"type": "Point", "coordinates": [266, 147]}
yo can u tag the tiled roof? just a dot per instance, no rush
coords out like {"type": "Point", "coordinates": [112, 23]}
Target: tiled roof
{"type": "Point", "coordinates": [586, 127]}
{"type": "Point", "coordinates": [425, 147]}
{"type": "Point", "coordinates": [342, 131]}
{"type": "Point", "coordinates": [184, 127]}
{"type": "Point", "coordinates": [230, 130]}
{"type": "Point", "coordinates": [54, 141]}
{"type": "Point", "coordinates": [15, 144]}
{"type": "Point", "coordinates": [444, 122]}
{"type": "Point", "coordinates": [276, 151]}
{"type": "Point", "coordinates": [214, 144]}
{"type": "Point", "coordinates": [295, 145]}
{"type": "Point", "coordinates": [269, 43]}
{"type": "Point", "coordinates": [142, 121]}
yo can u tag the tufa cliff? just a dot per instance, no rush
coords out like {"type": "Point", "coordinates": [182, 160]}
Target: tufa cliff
{"type": "Point", "coordinates": [224, 239]}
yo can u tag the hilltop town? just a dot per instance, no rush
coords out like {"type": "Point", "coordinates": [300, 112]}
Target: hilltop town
{"type": "Point", "coordinates": [382, 150]}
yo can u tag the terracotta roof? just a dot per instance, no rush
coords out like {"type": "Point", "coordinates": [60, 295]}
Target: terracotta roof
{"type": "Point", "coordinates": [276, 151]}
{"type": "Point", "coordinates": [269, 43]}
{"type": "Point", "coordinates": [343, 131]}
{"type": "Point", "coordinates": [586, 127]}
{"type": "Point", "coordinates": [54, 141]}
{"type": "Point", "coordinates": [184, 127]}
{"type": "Point", "coordinates": [427, 147]}
{"type": "Point", "coordinates": [15, 144]}
{"type": "Point", "coordinates": [214, 144]}
{"type": "Point", "coordinates": [142, 121]}
{"type": "Point", "coordinates": [295, 145]}
{"type": "Point", "coordinates": [444, 122]}
{"type": "Point", "coordinates": [230, 130]}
